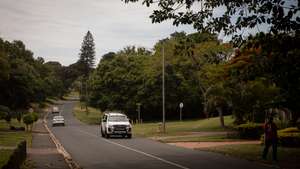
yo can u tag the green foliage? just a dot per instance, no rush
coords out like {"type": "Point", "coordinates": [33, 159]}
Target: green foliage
{"type": "Point", "coordinates": [230, 17]}
{"type": "Point", "coordinates": [267, 67]}
{"type": "Point", "coordinates": [28, 119]}
{"type": "Point", "coordinates": [134, 75]}
{"type": "Point", "coordinates": [3, 111]}
{"type": "Point", "coordinates": [250, 130]}
{"type": "Point", "coordinates": [87, 55]}
{"type": "Point", "coordinates": [7, 117]}
{"type": "Point", "coordinates": [19, 117]}
{"type": "Point", "coordinates": [35, 116]}
{"type": "Point", "coordinates": [24, 79]}
{"type": "Point", "coordinates": [288, 137]}
{"type": "Point", "coordinates": [251, 99]}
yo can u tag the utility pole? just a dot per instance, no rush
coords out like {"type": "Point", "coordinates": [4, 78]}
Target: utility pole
{"type": "Point", "coordinates": [163, 89]}
{"type": "Point", "coordinates": [139, 112]}
{"type": "Point", "coordinates": [180, 111]}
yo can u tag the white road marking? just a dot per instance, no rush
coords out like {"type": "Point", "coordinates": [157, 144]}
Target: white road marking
{"type": "Point", "coordinates": [137, 151]}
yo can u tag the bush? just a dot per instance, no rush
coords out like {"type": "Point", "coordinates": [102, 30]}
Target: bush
{"type": "Point", "coordinates": [35, 116]}
{"type": "Point", "coordinates": [288, 137]}
{"type": "Point", "coordinates": [250, 130]}
{"type": "Point", "coordinates": [28, 120]}
{"type": "Point", "coordinates": [17, 157]}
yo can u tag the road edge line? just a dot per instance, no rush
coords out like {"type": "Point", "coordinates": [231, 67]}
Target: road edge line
{"type": "Point", "coordinates": [68, 158]}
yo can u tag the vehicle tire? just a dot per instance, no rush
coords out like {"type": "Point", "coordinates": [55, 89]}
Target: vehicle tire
{"type": "Point", "coordinates": [107, 136]}
{"type": "Point", "coordinates": [102, 134]}
{"type": "Point", "coordinates": [129, 135]}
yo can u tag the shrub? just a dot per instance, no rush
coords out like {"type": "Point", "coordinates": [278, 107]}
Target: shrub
{"type": "Point", "coordinates": [28, 120]}
{"type": "Point", "coordinates": [250, 130]}
{"type": "Point", "coordinates": [288, 137]}
{"type": "Point", "coordinates": [19, 117]}
{"type": "Point", "coordinates": [35, 116]}
{"type": "Point", "coordinates": [7, 118]}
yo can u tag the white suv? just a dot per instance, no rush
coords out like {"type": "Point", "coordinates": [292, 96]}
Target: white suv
{"type": "Point", "coordinates": [115, 124]}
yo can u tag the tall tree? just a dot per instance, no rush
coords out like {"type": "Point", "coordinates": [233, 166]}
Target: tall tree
{"type": "Point", "coordinates": [86, 63]}
{"type": "Point", "coordinates": [87, 54]}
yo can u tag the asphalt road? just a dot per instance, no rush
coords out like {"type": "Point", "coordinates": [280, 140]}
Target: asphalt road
{"type": "Point", "coordinates": [91, 151]}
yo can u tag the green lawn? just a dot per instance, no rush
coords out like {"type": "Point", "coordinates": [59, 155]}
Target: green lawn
{"type": "Point", "coordinates": [93, 117]}
{"type": "Point", "coordinates": [182, 128]}
{"type": "Point", "coordinates": [4, 156]}
{"type": "Point", "coordinates": [288, 157]}
{"type": "Point", "coordinates": [14, 122]}
{"type": "Point", "coordinates": [213, 138]}
{"type": "Point", "coordinates": [12, 138]}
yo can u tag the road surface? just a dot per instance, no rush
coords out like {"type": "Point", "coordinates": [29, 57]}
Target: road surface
{"type": "Point", "coordinates": [91, 151]}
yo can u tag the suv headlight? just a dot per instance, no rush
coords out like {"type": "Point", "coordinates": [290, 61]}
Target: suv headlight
{"type": "Point", "coordinates": [128, 128]}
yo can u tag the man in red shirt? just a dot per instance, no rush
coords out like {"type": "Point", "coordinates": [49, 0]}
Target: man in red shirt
{"type": "Point", "coordinates": [270, 138]}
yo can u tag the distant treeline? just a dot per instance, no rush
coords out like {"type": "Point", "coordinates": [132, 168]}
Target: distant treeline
{"type": "Point", "coordinates": [25, 79]}
{"type": "Point", "coordinates": [208, 76]}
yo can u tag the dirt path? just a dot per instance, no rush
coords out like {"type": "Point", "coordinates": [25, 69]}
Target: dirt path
{"type": "Point", "coordinates": [195, 145]}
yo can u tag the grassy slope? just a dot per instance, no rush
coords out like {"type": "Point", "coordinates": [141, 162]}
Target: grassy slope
{"type": "Point", "coordinates": [93, 117]}
{"type": "Point", "coordinates": [288, 157]}
{"type": "Point", "coordinates": [151, 129]}
{"type": "Point", "coordinates": [4, 156]}
{"type": "Point", "coordinates": [213, 138]}
{"type": "Point", "coordinates": [182, 128]}
{"type": "Point", "coordinates": [10, 139]}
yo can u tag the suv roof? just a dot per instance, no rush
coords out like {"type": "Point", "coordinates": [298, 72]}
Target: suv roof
{"type": "Point", "coordinates": [114, 114]}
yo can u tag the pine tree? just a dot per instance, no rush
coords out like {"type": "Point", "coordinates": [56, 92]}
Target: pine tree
{"type": "Point", "coordinates": [87, 54]}
{"type": "Point", "coordinates": [86, 63]}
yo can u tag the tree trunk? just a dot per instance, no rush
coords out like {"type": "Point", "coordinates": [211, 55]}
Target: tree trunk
{"type": "Point", "coordinates": [220, 111]}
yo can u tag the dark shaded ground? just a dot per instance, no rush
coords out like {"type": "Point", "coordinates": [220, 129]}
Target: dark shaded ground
{"type": "Point", "coordinates": [43, 152]}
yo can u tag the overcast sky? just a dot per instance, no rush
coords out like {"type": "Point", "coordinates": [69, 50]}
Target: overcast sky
{"type": "Point", "coordinates": [54, 29]}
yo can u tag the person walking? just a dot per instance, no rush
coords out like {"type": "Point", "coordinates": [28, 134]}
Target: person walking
{"type": "Point", "coordinates": [271, 139]}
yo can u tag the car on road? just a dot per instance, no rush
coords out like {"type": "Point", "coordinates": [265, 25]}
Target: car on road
{"type": "Point", "coordinates": [58, 121]}
{"type": "Point", "coordinates": [114, 123]}
{"type": "Point", "coordinates": [55, 110]}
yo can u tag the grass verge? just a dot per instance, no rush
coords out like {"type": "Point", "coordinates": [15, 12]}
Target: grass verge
{"type": "Point", "coordinates": [92, 117]}
{"type": "Point", "coordinates": [211, 138]}
{"type": "Point", "coordinates": [288, 157]}
{"type": "Point", "coordinates": [4, 156]}
{"type": "Point", "coordinates": [183, 127]}
{"type": "Point", "coordinates": [12, 138]}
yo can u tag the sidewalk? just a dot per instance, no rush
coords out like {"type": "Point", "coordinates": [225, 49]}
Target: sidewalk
{"type": "Point", "coordinates": [43, 151]}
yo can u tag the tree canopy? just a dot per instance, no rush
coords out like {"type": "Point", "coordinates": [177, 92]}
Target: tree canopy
{"type": "Point", "coordinates": [230, 16]}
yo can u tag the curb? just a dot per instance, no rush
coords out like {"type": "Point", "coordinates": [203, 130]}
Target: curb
{"type": "Point", "coordinates": [71, 163]}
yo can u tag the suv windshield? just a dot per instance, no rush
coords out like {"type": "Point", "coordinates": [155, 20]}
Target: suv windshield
{"type": "Point", "coordinates": [117, 118]}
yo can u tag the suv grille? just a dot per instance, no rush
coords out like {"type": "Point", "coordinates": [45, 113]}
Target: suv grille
{"type": "Point", "coordinates": [120, 127]}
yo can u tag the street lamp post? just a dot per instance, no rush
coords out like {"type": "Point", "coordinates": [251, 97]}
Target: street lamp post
{"type": "Point", "coordinates": [139, 112]}
{"type": "Point", "coordinates": [180, 106]}
{"type": "Point", "coordinates": [163, 90]}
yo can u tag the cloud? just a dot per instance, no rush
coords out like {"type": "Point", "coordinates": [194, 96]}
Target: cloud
{"type": "Point", "coordinates": [55, 29]}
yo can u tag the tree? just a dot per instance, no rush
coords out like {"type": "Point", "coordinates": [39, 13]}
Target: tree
{"type": "Point", "coordinates": [28, 119]}
{"type": "Point", "coordinates": [87, 54]}
{"type": "Point", "coordinates": [230, 17]}
{"type": "Point", "coordinates": [86, 63]}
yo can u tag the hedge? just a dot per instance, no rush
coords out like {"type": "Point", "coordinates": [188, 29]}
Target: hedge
{"type": "Point", "coordinates": [17, 158]}
{"type": "Point", "coordinates": [288, 137]}
{"type": "Point", "coordinates": [250, 130]}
